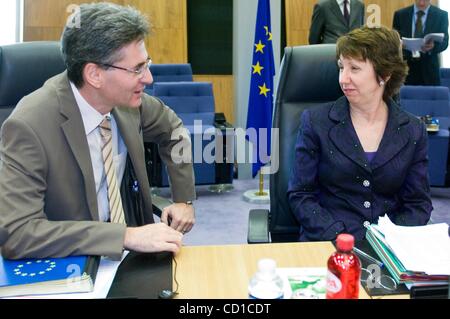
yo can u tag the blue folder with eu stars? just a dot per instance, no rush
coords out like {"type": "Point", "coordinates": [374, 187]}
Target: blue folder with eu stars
{"type": "Point", "coordinates": [24, 277]}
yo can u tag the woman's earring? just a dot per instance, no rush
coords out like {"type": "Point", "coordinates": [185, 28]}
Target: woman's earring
{"type": "Point", "coordinates": [382, 83]}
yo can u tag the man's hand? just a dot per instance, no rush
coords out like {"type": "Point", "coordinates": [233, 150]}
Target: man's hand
{"type": "Point", "coordinates": [152, 238]}
{"type": "Point", "coordinates": [182, 217]}
{"type": "Point", "coordinates": [428, 46]}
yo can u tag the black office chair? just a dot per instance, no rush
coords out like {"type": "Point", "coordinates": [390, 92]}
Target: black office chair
{"type": "Point", "coordinates": [169, 72]}
{"type": "Point", "coordinates": [308, 77]}
{"type": "Point", "coordinates": [24, 67]}
{"type": "Point", "coordinates": [194, 101]}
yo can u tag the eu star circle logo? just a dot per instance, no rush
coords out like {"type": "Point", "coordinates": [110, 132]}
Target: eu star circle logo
{"type": "Point", "coordinates": [34, 268]}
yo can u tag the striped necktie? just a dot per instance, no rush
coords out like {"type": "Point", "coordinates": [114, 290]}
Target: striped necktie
{"type": "Point", "coordinates": [115, 201]}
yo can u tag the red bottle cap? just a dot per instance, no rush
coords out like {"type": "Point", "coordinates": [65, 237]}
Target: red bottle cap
{"type": "Point", "coordinates": [345, 242]}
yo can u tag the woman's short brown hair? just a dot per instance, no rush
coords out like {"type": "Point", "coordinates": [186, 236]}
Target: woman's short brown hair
{"type": "Point", "coordinates": [382, 47]}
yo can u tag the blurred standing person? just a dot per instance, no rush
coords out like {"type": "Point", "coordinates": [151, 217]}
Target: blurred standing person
{"type": "Point", "coordinates": [416, 21]}
{"type": "Point", "coordinates": [334, 18]}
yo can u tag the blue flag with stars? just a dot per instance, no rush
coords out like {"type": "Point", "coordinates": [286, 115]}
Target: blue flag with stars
{"type": "Point", "coordinates": [260, 102]}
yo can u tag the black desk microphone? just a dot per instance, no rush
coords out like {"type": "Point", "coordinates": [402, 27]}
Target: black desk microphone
{"type": "Point", "coordinates": [3, 235]}
{"type": "Point", "coordinates": [166, 294]}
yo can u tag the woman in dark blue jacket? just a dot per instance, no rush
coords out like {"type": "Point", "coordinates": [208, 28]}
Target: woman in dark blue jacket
{"type": "Point", "coordinates": [361, 156]}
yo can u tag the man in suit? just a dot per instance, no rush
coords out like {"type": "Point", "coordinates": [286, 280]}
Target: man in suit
{"type": "Point", "coordinates": [416, 21]}
{"type": "Point", "coordinates": [68, 145]}
{"type": "Point", "coordinates": [334, 18]}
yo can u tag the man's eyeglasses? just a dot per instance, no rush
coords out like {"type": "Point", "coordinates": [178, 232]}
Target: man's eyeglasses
{"type": "Point", "coordinates": [139, 71]}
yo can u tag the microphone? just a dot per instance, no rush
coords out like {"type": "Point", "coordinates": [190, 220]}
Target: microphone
{"type": "Point", "coordinates": [3, 235]}
{"type": "Point", "coordinates": [169, 293]}
{"type": "Point", "coordinates": [166, 294]}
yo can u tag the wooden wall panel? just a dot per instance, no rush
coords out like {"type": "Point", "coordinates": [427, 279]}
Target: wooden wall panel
{"type": "Point", "coordinates": [298, 21]}
{"type": "Point", "coordinates": [223, 93]}
{"type": "Point", "coordinates": [47, 13]}
{"type": "Point", "coordinates": [45, 20]}
{"type": "Point", "coordinates": [167, 42]}
{"type": "Point", "coordinates": [299, 13]}
{"type": "Point", "coordinates": [388, 7]}
{"type": "Point", "coordinates": [42, 33]}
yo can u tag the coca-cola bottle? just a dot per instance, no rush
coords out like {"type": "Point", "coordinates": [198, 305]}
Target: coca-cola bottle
{"type": "Point", "coordinates": [344, 270]}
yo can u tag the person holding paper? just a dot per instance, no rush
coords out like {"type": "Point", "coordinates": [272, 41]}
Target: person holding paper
{"type": "Point", "coordinates": [361, 156]}
{"type": "Point", "coordinates": [72, 176]}
{"type": "Point", "coordinates": [416, 21]}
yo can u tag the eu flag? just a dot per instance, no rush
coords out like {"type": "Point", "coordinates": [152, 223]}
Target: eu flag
{"type": "Point", "coordinates": [260, 102]}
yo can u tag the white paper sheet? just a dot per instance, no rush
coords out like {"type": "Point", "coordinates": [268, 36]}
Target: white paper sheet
{"type": "Point", "coordinates": [415, 44]}
{"type": "Point", "coordinates": [419, 248]}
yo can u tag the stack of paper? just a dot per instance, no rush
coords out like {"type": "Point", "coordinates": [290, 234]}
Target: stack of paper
{"type": "Point", "coordinates": [416, 44]}
{"type": "Point", "coordinates": [412, 254]}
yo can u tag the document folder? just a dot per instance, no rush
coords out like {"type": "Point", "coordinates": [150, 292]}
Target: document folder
{"type": "Point", "coordinates": [395, 265]}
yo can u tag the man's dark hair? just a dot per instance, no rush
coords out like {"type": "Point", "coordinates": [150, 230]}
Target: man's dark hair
{"type": "Point", "coordinates": [104, 29]}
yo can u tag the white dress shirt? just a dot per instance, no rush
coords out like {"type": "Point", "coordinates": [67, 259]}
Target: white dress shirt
{"type": "Point", "coordinates": [91, 120]}
{"type": "Point", "coordinates": [341, 5]}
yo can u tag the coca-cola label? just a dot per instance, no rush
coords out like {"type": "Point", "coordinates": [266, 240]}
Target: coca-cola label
{"type": "Point", "coordinates": [334, 285]}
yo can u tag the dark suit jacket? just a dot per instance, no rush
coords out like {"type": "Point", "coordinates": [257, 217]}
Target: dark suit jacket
{"type": "Point", "coordinates": [424, 70]}
{"type": "Point", "coordinates": [48, 200]}
{"type": "Point", "coordinates": [334, 189]}
{"type": "Point", "coordinates": [328, 22]}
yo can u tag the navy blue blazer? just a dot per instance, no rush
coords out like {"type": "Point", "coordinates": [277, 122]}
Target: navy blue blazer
{"type": "Point", "coordinates": [334, 189]}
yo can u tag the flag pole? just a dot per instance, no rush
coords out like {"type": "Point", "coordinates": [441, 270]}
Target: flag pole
{"type": "Point", "coordinates": [260, 106]}
{"type": "Point", "coordinates": [261, 185]}
{"type": "Point", "coordinates": [258, 196]}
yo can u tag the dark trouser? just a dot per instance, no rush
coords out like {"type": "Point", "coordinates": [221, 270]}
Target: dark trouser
{"type": "Point", "coordinates": [422, 72]}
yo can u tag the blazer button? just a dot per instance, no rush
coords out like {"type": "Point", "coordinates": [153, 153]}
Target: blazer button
{"type": "Point", "coordinates": [366, 183]}
{"type": "Point", "coordinates": [367, 204]}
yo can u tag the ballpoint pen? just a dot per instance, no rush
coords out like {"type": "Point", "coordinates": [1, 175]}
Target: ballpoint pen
{"type": "Point", "coordinates": [368, 257]}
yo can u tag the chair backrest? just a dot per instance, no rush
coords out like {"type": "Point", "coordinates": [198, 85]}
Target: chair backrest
{"type": "Point", "coordinates": [24, 67]}
{"type": "Point", "coordinates": [445, 77]}
{"type": "Point", "coordinates": [427, 100]}
{"type": "Point", "coordinates": [170, 72]}
{"type": "Point", "coordinates": [190, 100]}
{"type": "Point", "coordinates": [308, 77]}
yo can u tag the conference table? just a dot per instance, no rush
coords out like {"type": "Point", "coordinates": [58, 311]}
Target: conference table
{"type": "Point", "coordinates": [214, 272]}
{"type": "Point", "coordinates": [224, 271]}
